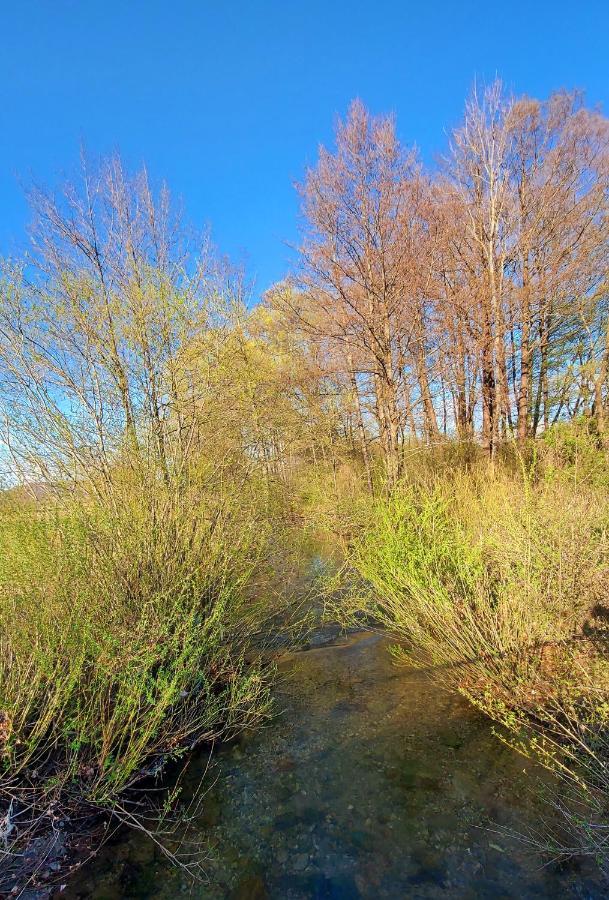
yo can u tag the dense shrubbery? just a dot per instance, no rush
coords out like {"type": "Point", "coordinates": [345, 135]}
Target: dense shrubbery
{"type": "Point", "coordinates": [496, 580]}
{"type": "Point", "coordinates": [123, 630]}
{"type": "Point", "coordinates": [135, 411]}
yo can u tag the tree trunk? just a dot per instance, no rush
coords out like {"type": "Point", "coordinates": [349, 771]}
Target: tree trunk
{"type": "Point", "coordinates": [360, 425]}
{"type": "Point", "coordinates": [524, 391]}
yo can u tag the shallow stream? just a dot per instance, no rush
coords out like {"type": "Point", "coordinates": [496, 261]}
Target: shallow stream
{"type": "Point", "coordinates": [370, 782]}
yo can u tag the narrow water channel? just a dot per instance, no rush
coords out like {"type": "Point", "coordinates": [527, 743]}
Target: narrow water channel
{"type": "Point", "coordinates": [370, 783]}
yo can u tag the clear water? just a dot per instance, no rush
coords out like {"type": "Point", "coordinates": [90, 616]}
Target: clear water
{"type": "Point", "coordinates": [371, 782]}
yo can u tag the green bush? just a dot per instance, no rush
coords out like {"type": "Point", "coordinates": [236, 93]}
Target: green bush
{"type": "Point", "coordinates": [472, 567]}
{"type": "Point", "coordinates": [497, 583]}
{"type": "Point", "coordinates": [123, 634]}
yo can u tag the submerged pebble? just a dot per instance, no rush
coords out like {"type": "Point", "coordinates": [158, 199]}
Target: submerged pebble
{"type": "Point", "coordinates": [370, 783]}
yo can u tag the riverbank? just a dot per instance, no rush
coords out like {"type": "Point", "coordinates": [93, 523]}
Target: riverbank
{"type": "Point", "coordinates": [370, 782]}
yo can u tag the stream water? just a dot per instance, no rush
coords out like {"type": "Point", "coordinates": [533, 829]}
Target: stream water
{"type": "Point", "coordinates": [370, 782]}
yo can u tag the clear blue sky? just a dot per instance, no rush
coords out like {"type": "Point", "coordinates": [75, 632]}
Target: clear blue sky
{"type": "Point", "coordinates": [228, 101]}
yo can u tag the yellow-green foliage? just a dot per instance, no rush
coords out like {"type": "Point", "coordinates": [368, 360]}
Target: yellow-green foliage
{"type": "Point", "coordinates": [575, 452]}
{"type": "Point", "coordinates": [475, 566]}
{"type": "Point", "coordinates": [498, 584]}
{"type": "Point", "coordinates": [122, 628]}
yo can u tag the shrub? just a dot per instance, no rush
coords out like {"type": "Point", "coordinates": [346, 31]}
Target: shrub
{"type": "Point", "coordinates": [498, 585]}
{"type": "Point", "coordinates": [123, 633]}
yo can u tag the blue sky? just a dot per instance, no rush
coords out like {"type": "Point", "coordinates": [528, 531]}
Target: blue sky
{"type": "Point", "coordinates": [228, 101]}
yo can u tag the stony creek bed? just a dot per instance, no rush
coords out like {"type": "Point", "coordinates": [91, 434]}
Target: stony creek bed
{"type": "Point", "coordinates": [369, 782]}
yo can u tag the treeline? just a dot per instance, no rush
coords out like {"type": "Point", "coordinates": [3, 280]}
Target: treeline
{"type": "Point", "coordinates": [128, 344]}
{"type": "Point", "coordinates": [470, 301]}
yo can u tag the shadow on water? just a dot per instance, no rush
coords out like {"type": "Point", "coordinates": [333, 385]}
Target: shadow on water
{"type": "Point", "coordinates": [370, 783]}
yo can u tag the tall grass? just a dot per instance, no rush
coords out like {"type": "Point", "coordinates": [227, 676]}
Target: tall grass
{"type": "Point", "coordinates": [124, 626]}
{"type": "Point", "coordinates": [496, 580]}
{"type": "Point", "coordinates": [474, 568]}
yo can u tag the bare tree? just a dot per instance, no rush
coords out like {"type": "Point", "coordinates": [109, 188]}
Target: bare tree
{"type": "Point", "coordinates": [93, 331]}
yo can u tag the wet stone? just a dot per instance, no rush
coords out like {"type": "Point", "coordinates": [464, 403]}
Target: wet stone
{"type": "Point", "coordinates": [324, 636]}
{"type": "Point", "coordinates": [360, 839]}
{"type": "Point", "coordinates": [211, 812]}
{"type": "Point", "coordinates": [252, 887]}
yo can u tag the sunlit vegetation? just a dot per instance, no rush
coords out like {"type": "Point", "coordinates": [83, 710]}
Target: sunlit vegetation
{"type": "Point", "coordinates": [426, 397]}
{"type": "Point", "coordinates": [142, 505]}
{"type": "Point", "coordinates": [495, 582]}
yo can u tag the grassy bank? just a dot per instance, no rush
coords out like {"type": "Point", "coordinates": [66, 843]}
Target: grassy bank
{"type": "Point", "coordinates": [123, 629]}
{"type": "Point", "coordinates": [495, 580]}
